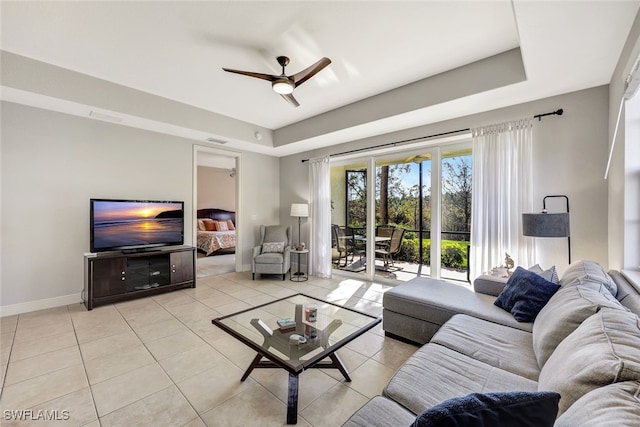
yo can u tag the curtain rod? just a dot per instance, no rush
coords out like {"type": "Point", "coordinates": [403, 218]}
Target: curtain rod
{"type": "Point", "coordinates": [558, 112]}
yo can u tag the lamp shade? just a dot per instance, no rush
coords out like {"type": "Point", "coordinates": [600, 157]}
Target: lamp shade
{"type": "Point", "coordinates": [300, 210]}
{"type": "Point", "coordinates": [545, 224]}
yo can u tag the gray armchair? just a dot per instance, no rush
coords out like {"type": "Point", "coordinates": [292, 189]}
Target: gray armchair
{"type": "Point", "coordinates": [272, 258]}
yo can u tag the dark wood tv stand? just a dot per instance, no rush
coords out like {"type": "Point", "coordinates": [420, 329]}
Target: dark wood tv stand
{"type": "Point", "coordinates": [115, 276]}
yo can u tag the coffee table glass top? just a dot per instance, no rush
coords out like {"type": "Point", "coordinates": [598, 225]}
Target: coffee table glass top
{"type": "Point", "coordinates": [312, 341]}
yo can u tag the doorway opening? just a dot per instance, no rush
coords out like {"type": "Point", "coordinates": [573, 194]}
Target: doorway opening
{"type": "Point", "coordinates": [216, 212]}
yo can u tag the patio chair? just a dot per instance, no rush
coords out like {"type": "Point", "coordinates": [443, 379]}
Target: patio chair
{"type": "Point", "coordinates": [338, 247]}
{"type": "Point", "coordinates": [384, 230]}
{"type": "Point", "coordinates": [354, 246]}
{"type": "Point", "coordinates": [394, 247]}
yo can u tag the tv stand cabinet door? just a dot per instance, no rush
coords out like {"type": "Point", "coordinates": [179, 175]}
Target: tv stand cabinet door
{"type": "Point", "coordinates": [109, 277]}
{"type": "Point", "coordinates": [182, 266]}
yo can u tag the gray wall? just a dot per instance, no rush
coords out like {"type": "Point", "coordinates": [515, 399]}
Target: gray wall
{"type": "Point", "coordinates": [570, 155]}
{"type": "Point", "coordinates": [53, 163]}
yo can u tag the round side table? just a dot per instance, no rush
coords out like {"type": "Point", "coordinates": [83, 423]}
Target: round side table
{"type": "Point", "coordinates": [300, 276]}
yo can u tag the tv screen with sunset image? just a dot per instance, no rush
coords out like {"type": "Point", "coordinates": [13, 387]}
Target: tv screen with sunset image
{"type": "Point", "coordinates": [127, 224]}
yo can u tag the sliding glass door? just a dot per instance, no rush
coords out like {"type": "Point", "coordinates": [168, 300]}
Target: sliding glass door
{"type": "Point", "coordinates": [455, 196]}
{"type": "Point", "coordinates": [403, 215]}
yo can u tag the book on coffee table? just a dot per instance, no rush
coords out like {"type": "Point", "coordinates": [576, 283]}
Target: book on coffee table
{"type": "Point", "coordinates": [286, 322]}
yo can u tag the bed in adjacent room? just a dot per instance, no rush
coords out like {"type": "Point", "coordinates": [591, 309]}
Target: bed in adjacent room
{"type": "Point", "coordinates": [216, 231]}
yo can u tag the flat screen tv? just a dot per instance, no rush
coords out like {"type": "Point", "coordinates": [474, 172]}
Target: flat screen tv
{"type": "Point", "coordinates": [135, 225]}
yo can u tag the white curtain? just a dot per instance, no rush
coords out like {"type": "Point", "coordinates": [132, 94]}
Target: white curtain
{"type": "Point", "coordinates": [502, 191]}
{"type": "Point", "coordinates": [320, 217]}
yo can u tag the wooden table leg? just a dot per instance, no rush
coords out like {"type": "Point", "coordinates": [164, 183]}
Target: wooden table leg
{"type": "Point", "coordinates": [338, 364]}
{"type": "Point", "coordinates": [252, 366]}
{"type": "Point", "coordinates": [292, 400]}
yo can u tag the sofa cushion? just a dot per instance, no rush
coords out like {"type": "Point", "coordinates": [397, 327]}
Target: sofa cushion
{"type": "Point", "coordinates": [380, 411]}
{"type": "Point", "coordinates": [615, 405]}
{"type": "Point", "coordinates": [588, 270]}
{"type": "Point", "coordinates": [436, 302]}
{"type": "Point", "coordinates": [525, 294]}
{"type": "Point", "coordinates": [564, 312]}
{"type": "Point", "coordinates": [627, 293]}
{"type": "Point", "coordinates": [522, 409]}
{"type": "Point", "coordinates": [435, 373]}
{"type": "Point", "coordinates": [496, 345]}
{"type": "Point", "coordinates": [601, 351]}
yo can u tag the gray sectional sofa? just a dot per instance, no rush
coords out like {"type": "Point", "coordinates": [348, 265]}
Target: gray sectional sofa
{"type": "Point", "coordinates": [584, 344]}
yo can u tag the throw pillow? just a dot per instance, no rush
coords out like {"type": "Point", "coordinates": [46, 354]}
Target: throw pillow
{"type": "Point", "coordinates": [230, 225]}
{"type": "Point", "coordinates": [516, 408]}
{"type": "Point", "coordinates": [550, 275]}
{"type": "Point", "coordinates": [222, 226]}
{"type": "Point", "coordinates": [273, 247]}
{"type": "Point", "coordinates": [525, 294]}
{"type": "Point", "coordinates": [602, 350]}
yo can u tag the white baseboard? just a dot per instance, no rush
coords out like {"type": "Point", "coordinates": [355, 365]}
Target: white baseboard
{"type": "Point", "coordinates": [41, 304]}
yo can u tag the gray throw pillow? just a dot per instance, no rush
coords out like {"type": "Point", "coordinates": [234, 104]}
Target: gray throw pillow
{"type": "Point", "coordinates": [564, 312]}
{"type": "Point", "coordinates": [601, 351]}
{"type": "Point", "coordinates": [550, 275]}
{"type": "Point", "coordinates": [273, 247]}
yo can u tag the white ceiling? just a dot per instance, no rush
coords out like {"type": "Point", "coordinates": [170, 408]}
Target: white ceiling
{"type": "Point", "coordinates": [176, 49]}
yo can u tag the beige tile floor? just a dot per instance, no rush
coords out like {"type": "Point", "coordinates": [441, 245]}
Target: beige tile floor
{"type": "Point", "coordinates": [158, 361]}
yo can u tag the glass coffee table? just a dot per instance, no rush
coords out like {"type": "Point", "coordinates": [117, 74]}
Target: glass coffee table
{"type": "Point", "coordinates": [314, 331]}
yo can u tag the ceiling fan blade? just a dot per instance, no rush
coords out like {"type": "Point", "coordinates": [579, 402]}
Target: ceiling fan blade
{"type": "Point", "coordinates": [289, 97]}
{"type": "Point", "coordinates": [268, 77]}
{"type": "Point", "coordinates": [310, 71]}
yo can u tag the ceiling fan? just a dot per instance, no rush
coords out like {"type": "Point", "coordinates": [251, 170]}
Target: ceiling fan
{"type": "Point", "coordinates": [283, 84]}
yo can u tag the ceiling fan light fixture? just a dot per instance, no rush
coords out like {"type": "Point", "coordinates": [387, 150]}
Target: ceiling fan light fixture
{"type": "Point", "coordinates": [282, 86]}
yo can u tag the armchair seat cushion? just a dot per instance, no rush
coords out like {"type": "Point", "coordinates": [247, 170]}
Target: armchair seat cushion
{"type": "Point", "coordinates": [269, 258]}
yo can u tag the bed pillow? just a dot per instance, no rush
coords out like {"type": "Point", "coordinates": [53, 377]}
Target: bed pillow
{"type": "Point", "coordinates": [518, 408]}
{"type": "Point", "coordinates": [525, 294]}
{"type": "Point", "coordinates": [222, 225]}
{"type": "Point", "coordinates": [201, 226]}
{"type": "Point", "coordinates": [230, 225]}
{"type": "Point", "coordinates": [273, 247]}
{"type": "Point", "coordinates": [209, 224]}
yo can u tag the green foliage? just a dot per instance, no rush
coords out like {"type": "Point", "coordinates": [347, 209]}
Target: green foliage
{"type": "Point", "coordinates": [409, 251]}
{"type": "Point", "coordinates": [454, 253]}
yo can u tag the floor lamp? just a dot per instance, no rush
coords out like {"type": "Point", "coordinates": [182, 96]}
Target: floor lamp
{"type": "Point", "coordinates": [301, 210]}
{"type": "Point", "coordinates": [548, 224]}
